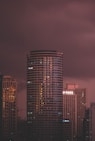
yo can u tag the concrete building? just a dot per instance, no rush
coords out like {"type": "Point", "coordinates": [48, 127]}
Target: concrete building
{"type": "Point", "coordinates": [44, 95]}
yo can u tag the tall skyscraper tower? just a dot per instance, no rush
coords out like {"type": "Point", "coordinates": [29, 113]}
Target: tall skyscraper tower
{"type": "Point", "coordinates": [1, 106]}
{"type": "Point", "coordinates": [44, 95]}
{"type": "Point", "coordinates": [70, 114]}
{"type": "Point", "coordinates": [9, 122]}
{"type": "Point", "coordinates": [92, 122]}
{"type": "Point", "coordinates": [74, 106]}
{"type": "Point", "coordinates": [81, 108]}
{"type": "Point", "coordinates": [86, 135]}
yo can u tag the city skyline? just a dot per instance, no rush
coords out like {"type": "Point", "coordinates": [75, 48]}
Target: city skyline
{"type": "Point", "coordinates": [59, 25]}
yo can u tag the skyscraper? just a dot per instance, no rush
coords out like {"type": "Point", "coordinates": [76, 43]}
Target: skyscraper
{"type": "Point", "coordinates": [92, 122]}
{"type": "Point", "coordinates": [1, 106]}
{"type": "Point", "coordinates": [44, 95]}
{"type": "Point", "coordinates": [86, 121]}
{"type": "Point", "coordinates": [74, 106]}
{"type": "Point", "coordinates": [81, 107]}
{"type": "Point", "coordinates": [9, 122]}
{"type": "Point", "coordinates": [70, 114]}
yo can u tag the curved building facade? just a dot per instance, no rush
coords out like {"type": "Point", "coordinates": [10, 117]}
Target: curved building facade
{"type": "Point", "coordinates": [44, 95]}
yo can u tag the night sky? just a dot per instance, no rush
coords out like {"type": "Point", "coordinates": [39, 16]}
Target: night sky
{"type": "Point", "coordinates": [64, 25]}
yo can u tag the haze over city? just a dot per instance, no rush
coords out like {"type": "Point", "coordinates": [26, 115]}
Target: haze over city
{"type": "Point", "coordinates": [67, 26]}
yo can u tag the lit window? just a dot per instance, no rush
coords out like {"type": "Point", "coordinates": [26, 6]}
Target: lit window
{"type": "Point", "coordinates": [68, 92]}
{"type": "Point", "coordinates": [30, 68]}
{"type": "Point", "coordinates": [28, 82]}
{"type": "Point", "coordinates": [66, 120]}
{"type": "Point", "coordinates": [40, 62]}
{"type": "Point", "coordinates": [29, 113]}
{"type": "Point", "coordinates": [48, 76]}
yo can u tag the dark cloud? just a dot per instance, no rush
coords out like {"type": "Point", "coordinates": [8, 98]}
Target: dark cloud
{"type": "Point", "coordinates": [66, 25]}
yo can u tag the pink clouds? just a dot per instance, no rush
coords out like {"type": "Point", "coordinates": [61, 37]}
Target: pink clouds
{"type": "Point", "coordinates": [60, 25]}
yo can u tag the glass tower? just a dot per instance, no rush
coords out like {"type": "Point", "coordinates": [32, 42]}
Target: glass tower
{"type": "Point", "coordinates": [44, 95]}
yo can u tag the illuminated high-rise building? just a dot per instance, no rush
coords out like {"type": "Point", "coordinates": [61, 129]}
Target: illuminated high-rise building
{"type": "Point", "coordinates": [9, 112]}
{"type": "Point", "coordinates": [1, 106]}
{"type": "Point", "coordinates": [74, 105]}
{"type": "Point", "coordinates": [44, 95]}
{"type": "Point", "coordinates": [70, 114]}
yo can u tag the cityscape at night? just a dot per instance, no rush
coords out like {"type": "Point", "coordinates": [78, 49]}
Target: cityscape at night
{"type": "Point", "coordinates": [47, 70]}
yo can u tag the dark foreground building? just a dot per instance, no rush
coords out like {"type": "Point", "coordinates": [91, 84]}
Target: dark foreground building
{"type": "Point", "coordinates": [44, 95]}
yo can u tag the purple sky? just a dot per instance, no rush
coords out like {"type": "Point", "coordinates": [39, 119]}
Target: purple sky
{"type": "Point", "coordinates": [65, 25]}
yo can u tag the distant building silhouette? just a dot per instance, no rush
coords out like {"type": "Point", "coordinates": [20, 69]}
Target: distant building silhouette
{"type": "Point", "coordinates": [44, 95]}
{"type": "Point", "coordinates": [74, 105]}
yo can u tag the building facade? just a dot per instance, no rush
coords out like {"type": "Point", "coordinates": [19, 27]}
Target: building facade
{"type": "Point", "coordinates": [70, 113]}
{"type": "Point", "coordinates": [1, 106]}
{"type": "Point", "coordinates": [74, 105]}
{"type": "Point", "coordinates": [44, 95]}
{"type": "Point", "coordinates": [67, 130]}
{"type": "Point", "coordinates": [81, 108]}
{"type": "Point", "coordinates": [86, 135]}
{"type": "Point", "coordinates": [9, 111]}
{"type": "Point", "coordinates": [92, 122]}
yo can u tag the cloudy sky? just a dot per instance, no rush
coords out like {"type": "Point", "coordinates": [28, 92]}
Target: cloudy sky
{"type": "Point", "coordinates": [64, 25]}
